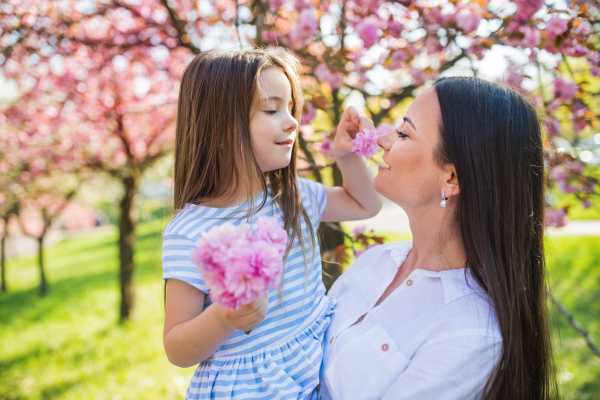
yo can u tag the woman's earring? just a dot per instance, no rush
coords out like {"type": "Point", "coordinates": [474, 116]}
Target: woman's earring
{"type": "Point", "coordinates": [444, 201]}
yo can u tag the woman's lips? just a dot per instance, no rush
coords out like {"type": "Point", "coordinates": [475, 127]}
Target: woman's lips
{"type": "Point", "coordinates": [384, 165]}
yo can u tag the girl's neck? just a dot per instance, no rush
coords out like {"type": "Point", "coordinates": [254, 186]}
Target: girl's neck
{"type": "Point", "coordinates": [234, 198]}
{"type": "Point", "coordinates": [437, 243]}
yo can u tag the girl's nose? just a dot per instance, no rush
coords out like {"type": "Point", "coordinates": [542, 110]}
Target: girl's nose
{"type": "Point", "coordinates": [291, 124]}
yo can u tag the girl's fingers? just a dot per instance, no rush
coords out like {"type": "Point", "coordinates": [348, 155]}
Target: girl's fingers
{"type": "Point", "coordinates": [353, 115]}
{"type": "Point", "coordinates": [249, 321]}
{"type": "Point", "coordinates": [366, 123]}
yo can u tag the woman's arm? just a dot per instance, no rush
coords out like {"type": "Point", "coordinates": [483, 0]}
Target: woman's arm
{"type": "Point", "coordinates": [456, 367]}
{"type": "Point", "coordinates": [191, 334]}
{"type": "Point", "coordinates": [356, 199]}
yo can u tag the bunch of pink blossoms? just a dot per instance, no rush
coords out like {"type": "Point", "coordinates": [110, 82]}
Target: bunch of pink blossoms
{"type": "Point", "coordinates": [238, 264]}
{"type": "Point", "coordinates": [365, 144]}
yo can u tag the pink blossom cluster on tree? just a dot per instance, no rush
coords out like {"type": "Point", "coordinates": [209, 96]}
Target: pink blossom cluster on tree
{"type": "Point", "coordinates": [119, 64]}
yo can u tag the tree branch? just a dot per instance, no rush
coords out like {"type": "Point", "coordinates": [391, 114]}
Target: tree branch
{"type": "Point", "coordinates": [571, 319]}
{"type": "Point", "coordinates": [180, 26]}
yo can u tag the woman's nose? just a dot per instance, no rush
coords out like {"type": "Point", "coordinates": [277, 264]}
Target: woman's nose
{"type": "Point", "coordinates": [384, 141]}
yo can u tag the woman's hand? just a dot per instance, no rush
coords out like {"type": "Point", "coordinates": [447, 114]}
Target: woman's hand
{"type": "Point", "coordinates": [349, 126]}
{"type": "Point", "coordinates": [246, 317]}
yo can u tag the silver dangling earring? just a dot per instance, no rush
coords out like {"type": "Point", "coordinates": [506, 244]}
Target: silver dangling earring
{"type": "Point", "coordinates": [444, 201]}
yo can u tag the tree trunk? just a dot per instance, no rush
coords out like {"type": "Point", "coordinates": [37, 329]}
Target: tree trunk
{"type": "Point", "coordinates": [126, 247]}
{"type": "Point", "coordinates": [3, 253]}
{"type": "Point", "coordinates": [43, 282]}
{"type": "Point", "coordinates": [330, 232]}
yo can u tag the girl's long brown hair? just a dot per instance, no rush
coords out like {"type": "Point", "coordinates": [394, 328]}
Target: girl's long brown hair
{"type": "Point", "coordinates": [492, 135]}
{"type": "Point", "coordinates": [214, 158]}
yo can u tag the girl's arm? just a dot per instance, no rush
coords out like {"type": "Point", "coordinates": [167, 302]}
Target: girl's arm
{"type": "Point", "coordinates": [356, 199]}
{"type": "Point", "coordinates": [192, 334]}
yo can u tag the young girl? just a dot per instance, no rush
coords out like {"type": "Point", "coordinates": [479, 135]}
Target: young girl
{"type": "Point", "coordinates": [235, 160]}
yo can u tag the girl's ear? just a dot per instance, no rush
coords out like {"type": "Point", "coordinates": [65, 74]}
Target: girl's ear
{"type": "Point", "coordinates": [451, 183]}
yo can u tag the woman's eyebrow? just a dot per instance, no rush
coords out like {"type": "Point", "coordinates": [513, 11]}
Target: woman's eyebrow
{"type": "Point", "coordinates": [410, 122]}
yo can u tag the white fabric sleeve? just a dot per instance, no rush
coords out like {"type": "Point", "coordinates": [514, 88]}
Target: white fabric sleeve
{"type": "Point", "coordinates": [456, 367]}
{"type": "Point", "coordinates": [176, 261]}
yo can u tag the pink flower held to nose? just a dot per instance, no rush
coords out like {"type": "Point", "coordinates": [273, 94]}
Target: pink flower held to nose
{"type": "Point", "coordinates": [365, 144]}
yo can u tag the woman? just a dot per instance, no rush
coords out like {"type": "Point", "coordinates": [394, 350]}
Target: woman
{"type": "Point", "coordinates": [459, 312]}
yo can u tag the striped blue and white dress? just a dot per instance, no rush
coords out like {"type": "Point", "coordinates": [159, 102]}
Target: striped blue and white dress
{"type": "Point", "coordinates": [281, 357]}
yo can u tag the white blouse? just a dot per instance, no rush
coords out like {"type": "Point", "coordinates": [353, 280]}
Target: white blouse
{"type": "Point", "coordinates": [435, 337]}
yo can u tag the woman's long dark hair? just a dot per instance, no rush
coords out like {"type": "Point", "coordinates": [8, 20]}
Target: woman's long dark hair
{"type": "Point", "coordinates": [491, 133]}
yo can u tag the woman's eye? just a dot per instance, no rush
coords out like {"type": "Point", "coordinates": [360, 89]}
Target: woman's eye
{"type": "Point", "coordinates": [401, 134]}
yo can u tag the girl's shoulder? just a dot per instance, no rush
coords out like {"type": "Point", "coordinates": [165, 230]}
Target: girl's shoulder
{"type": "Point", "coordinates": [311, 188]}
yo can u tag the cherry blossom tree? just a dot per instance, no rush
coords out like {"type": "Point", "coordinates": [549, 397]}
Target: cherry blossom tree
{"type": "Point", "coordinates": [121, 62]}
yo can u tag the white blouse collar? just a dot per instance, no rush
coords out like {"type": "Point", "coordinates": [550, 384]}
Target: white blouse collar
{"type": "Point", "coordinates": [456, 283]}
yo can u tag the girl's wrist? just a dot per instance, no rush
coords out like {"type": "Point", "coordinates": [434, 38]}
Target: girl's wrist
{"type": "Point", "coordinates": [346, 156]}
{"type": "Point", "coordinates": [221, 318]}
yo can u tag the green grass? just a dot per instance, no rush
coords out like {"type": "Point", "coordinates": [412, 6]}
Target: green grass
{"type": "Point", "coordinates": [69, 345]}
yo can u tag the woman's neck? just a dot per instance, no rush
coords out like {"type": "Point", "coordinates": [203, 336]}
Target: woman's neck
{"type": "Point", "coordinates": [437, 243]}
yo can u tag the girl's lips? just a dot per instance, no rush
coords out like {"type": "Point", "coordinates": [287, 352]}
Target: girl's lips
{"type": "Point", "coordinates": [288, 142]}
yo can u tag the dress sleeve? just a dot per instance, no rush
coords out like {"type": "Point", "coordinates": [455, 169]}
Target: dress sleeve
{"type": "Point", "coordinates": [314, 198]}
{"type": "Point", "coordinates": [456, 367]}
{"type": "Point", "coordinates": [176, 261]}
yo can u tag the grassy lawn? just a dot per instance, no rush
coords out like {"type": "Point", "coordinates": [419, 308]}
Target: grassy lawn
{"type": "Point", "coordinates": [69, 345]}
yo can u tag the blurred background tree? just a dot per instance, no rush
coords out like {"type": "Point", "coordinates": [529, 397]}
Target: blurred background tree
{"type": "Point", "coordinates": [113, 67]}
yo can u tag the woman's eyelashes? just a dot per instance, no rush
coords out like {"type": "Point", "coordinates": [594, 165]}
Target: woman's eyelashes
{"type": "Point", "coordinates": [401, 134]}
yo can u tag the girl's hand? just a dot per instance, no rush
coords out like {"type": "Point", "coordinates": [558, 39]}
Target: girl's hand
{"type": "Point", "coordinates": [349, 126]}
{"type": "Point", "coordinates": [246, 317]}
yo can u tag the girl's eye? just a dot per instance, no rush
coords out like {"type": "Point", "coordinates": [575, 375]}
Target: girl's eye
{"type": "Point", "coordinates": [401, 134]}
{"type": "Point", "coordinates": [271, 112]}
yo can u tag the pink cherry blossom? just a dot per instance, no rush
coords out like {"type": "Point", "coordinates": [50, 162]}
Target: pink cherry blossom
{"type": "Point", "coordinates": [367, 30]}
{"type": "Point", "coordinates": [567, 187]}
{"type": "Point", "coordinates": [553, 105]}
{"type": "Point", "coordinates": [467, 20]}
{"type": "Point", "coordinates": [305, 29]}
{"type": "Point", "coordinates": [238, 265]}
{"type": "Point", "coordinates": [553, 126]}
{"type": "Point", "coordinates": [327, 147]}
{"type": "Point", "coordinates": [584, 28]}
{"type": "Point", "coordinates": [365, 144]}
{"type": "Point", "coordinates": [556, 26]}
{"type": "Point", "coordinates": [527, 8]}
{"type": "Point", "coordinates": [358, 230]}
{"type": "Point", "coordinates": [309, 113]}
{"type": "Point", "coordinates": [558, 173]}
{"type": "Point", "coordinates": [269, 231]}
{"type": "Point", "coordinates": [565, 90]}
{"type": "Point", "coordinates": [531, 37]}
{"type": "Point", "coordinates": [398, 59]}
{"type": "Point", "coordinates": [324, 74]}
{"type": "Point", "coordinates": [575, 51]}
{"type": "Point", "coordinates": [275, 5]}
{"type": "Point", "coordinates": [556, 218]}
